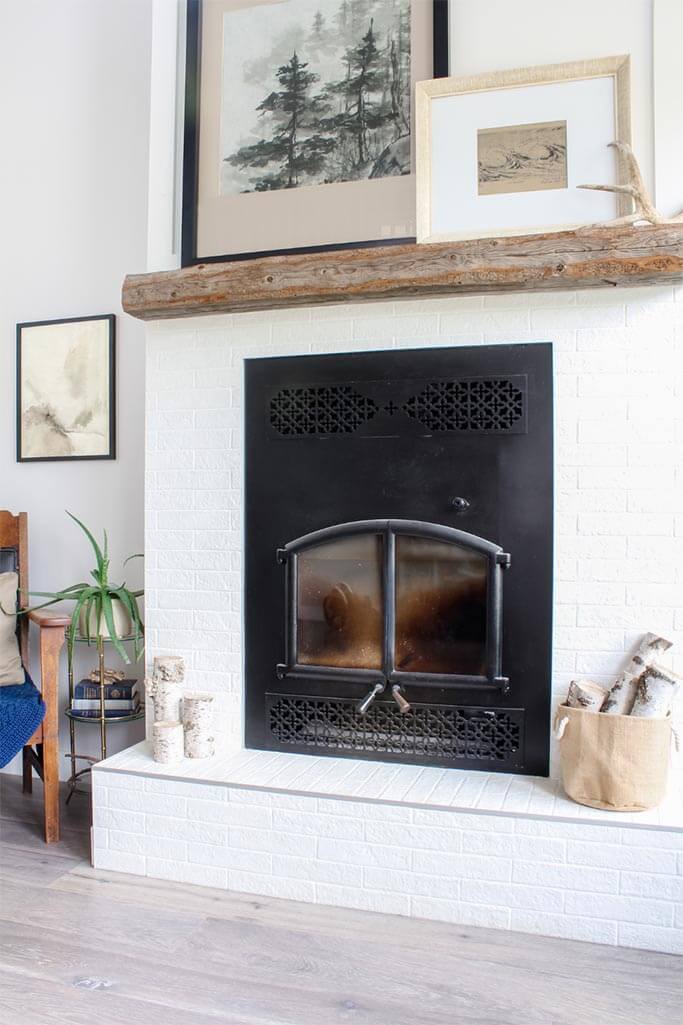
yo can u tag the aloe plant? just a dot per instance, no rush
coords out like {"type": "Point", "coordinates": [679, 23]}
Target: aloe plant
{"type": "Point", "coordinates": [98, 597]}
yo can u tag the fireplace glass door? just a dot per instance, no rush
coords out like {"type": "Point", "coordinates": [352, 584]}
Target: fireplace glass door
{"type": "Point", "coordinates": [441, 601]}
{"type": "Point", "coordinates": [339, 603]}
{"type": "Point", "coordinates": [394, 601]}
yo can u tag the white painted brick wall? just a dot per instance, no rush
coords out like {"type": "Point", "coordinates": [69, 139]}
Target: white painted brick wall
{"type": "Point", "coordinates": [609, 884]}
{"type": "Point", "coordinates": [619, 411]}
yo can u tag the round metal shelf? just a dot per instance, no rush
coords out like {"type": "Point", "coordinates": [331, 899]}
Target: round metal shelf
{"type": "Point", "coordinates": [106, 640]}
{"type": "Point", "coordinates": [109, 720]}
{"type": "Point", "coordinates": [104, 722]}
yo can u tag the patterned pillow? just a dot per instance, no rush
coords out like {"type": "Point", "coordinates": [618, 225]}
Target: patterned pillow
{"type": "Point", "coordinates": [10, 660]}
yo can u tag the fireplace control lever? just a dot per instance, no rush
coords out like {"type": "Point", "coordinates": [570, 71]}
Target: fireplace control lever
{"type": "Point", "coordinates": [399, 699]}
{"type": "Point", "coordinates": [363, 705]}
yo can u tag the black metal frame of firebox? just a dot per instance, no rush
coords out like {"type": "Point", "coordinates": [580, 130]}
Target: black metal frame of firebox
{"type": "Point", "coordinates": [334, 442]}
{"type": "Point", "coordinates": [497, 561]}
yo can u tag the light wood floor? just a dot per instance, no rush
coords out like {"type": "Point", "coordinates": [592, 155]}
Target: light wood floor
{"type": "Point", "coordinates": [80, 947]}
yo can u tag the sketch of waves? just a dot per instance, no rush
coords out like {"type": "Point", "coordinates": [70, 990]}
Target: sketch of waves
{"type": "Point", "coordinates": [543, 164]}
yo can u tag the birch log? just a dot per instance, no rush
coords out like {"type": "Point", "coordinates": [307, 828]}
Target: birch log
{"type": "Point", "coordinates": [165, 695]}
{"type": "Point", "coordinates": [167, 742]}
{"type": "Point", "coordinates": [586, 694]}
{"type": "Point", "coordinates": [169, 667]}
{"type": "Point", "coordinates": [198, 724]}
{"type": "Point", "coordinates": [623, 691]}
{"type": "Point", "coordinates": [656, 689]}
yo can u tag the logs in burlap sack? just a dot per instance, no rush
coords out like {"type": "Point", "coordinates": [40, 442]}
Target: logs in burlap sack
{"type": "Point", "coordinates": [615, 744]}
{"type": "Point", "coordinates": [615, 762]}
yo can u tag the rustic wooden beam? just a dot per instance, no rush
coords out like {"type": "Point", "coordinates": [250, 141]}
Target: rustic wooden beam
{"type": "Point", "coordinates": [585, 258]}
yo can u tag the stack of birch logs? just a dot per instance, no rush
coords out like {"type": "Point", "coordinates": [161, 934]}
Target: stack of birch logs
{"type": "Point", "coordinates": [644, 688]}
{"type": "Point", "coordinates": [174, 734]}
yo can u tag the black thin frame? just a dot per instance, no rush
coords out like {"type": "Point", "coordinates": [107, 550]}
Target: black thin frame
{"type": "Point", "coordinates": [190, 161]}
{"type": "Point", "coordinates": [111, 317]}
{"type": "Point", "coordinates": [497, 561]}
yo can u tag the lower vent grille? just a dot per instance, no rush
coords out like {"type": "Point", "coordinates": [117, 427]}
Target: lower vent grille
{"type": "Point", "coordinates": [434, 732]}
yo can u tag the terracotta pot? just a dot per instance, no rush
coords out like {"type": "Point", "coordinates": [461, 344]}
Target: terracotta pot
{"type": "Point", "coordinates": [123, 624]}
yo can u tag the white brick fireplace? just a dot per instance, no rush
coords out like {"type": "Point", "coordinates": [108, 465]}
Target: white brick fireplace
{"type": "Point", "coordinates": [473, 848]}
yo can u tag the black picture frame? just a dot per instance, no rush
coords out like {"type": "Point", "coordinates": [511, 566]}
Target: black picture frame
{"type": "Point", "coordinates": [190, 162]}
{"type": "Point", "coordinates": [111, 454]}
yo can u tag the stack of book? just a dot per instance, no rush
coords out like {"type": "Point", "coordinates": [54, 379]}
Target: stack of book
{"type": "Point", "coordinates": [120, 699]}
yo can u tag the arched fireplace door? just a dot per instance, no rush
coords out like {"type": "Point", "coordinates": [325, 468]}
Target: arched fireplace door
{"type": "Point", "coordinates": [392, 603]}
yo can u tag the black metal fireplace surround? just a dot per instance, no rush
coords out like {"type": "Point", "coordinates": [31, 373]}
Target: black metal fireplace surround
{"type": "Point", "coordinates": [398, 539]}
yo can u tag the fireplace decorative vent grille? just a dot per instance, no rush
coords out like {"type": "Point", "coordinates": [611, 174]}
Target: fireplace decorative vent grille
{"type": "Point", "coordinates": [337, 409]}
{"type": "Point", "coordinates": [437, 733]}
{"type": "Point", "coordinates": [492, 404]}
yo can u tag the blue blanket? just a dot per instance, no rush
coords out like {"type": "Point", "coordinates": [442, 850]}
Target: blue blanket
{"type": "Point", "coordinates": [21, 712]}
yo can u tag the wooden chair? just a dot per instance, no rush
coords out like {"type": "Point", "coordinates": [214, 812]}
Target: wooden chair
{"type": "Point", "coordinates": [42, 750]}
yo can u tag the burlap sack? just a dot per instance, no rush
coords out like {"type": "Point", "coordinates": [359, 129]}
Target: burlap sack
{"type": "Point", "coordinates": [615, 762]}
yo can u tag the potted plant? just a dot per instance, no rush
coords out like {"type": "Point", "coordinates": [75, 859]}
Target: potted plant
{"type": "Point", "coordinates": [103, 609]}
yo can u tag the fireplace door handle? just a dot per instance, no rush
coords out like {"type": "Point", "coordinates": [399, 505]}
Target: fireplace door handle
{"type": "Point", "coordinates": [363, 705]}
{"type": "Point", "coordinates": [403, 705]}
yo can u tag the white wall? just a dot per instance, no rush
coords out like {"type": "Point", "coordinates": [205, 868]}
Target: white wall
{"type": "Point", "coordinates": [492, 35]}
{"type": "Point", "coordinates": [667, 91]}
{"type": "Point", "coordinates": [74, 82]}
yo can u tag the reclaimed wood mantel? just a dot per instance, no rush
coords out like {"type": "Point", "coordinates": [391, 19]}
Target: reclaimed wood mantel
{"type": "Point", "coordinates": [588, 257]}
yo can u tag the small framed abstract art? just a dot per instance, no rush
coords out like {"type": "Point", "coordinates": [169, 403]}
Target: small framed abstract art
{"type": "Point", "coordinates": [66, 389]}
{"type": "Point", "coordinates": [299, 123]}
{"type": "Point", "coordinates": [505, 153]}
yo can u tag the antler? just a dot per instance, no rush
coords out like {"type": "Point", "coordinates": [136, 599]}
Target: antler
{"type": "Point", "coordinates": [643, 207]}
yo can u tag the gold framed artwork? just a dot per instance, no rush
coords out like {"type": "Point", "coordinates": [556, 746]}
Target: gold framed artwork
{"type": "Point", "coordinates": [502, 153]}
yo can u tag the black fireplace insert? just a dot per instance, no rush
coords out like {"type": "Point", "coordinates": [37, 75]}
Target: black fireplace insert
{"type": "Point", "coordinates": [398, 577]}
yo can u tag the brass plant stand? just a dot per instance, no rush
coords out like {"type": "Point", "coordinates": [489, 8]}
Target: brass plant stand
{"type": "Point", "coordinates": [101, 720]}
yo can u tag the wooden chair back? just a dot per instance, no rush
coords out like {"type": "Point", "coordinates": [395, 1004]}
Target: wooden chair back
{"type": "Point", "coordinates": [14, 558]}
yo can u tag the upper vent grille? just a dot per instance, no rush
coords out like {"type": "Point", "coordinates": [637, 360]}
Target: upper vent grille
{"type": "Point", "coordinates": [337, 409]}
{"type": "Point", "coordinates": [487, 404]}
{"type": "Point", "coordinates": [484, 405]}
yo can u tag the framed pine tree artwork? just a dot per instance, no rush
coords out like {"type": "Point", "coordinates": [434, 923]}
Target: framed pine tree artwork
{"type": "Point", "coordinates": [299, 123]}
